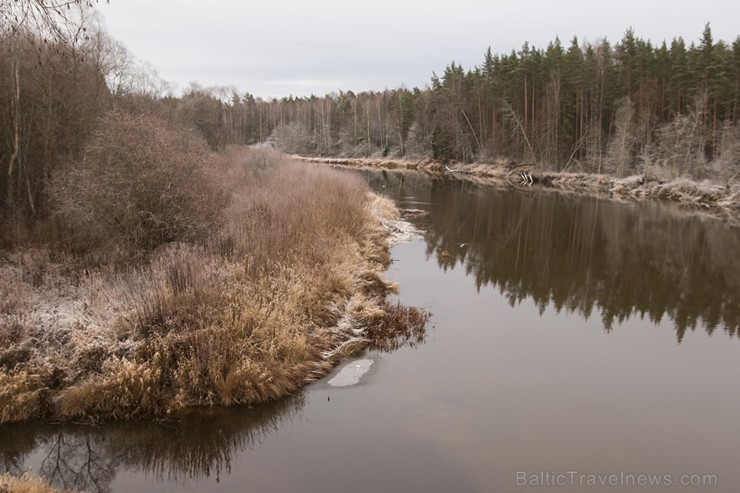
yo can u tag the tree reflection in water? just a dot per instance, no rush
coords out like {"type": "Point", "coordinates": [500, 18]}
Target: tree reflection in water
{"type": "Point", "coordinates": [181, 450]}
{"type": "Point", "coordinates": [581, 254]}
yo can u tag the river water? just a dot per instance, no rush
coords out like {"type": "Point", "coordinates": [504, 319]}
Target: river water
{"type": "Point", "coordinates": [576, 344]}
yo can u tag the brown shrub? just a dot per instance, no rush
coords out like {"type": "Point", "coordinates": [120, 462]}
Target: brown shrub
{"type": "Point", "coordinates": [140, 183]}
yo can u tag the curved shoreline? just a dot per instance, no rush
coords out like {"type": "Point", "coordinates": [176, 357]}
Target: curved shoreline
{"type": "Point", "coordinates": [357, 319]}
{"type": "Point", "coordinates": [707, 197]}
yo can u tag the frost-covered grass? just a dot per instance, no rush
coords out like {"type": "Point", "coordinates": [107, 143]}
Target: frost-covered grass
{"type": "Point", "coordinates": [286, 283]}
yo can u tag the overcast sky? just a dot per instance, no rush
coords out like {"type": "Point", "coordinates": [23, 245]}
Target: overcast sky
{"type": "Point", "coordinates": [276, 48]}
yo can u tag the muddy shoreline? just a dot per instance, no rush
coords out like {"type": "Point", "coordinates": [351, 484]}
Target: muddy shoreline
{"type": "Point", "coordinates": [722, 201]}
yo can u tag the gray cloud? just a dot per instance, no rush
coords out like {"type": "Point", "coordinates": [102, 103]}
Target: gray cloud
{"type": "Point", "coordinates": [278, 47]}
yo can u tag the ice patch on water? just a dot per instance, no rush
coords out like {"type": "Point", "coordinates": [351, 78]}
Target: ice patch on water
{"type": "Point", "coordinates": [351, 373]}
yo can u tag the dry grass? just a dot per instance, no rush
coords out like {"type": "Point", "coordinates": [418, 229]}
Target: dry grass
{"type": "Point", "coordinates": [397, 326]}
{"type": "Point", "coordinates": [287, 283]}
{"type": "Point", "coordinates": [27, 483]}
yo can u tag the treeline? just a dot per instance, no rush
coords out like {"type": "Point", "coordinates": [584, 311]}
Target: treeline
{"type": "Point", "coordinates": [632, 107]}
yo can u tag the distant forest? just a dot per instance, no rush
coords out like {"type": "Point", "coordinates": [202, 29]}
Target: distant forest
{"type": "Point", "coordinates": [594, 107]}
{"type": "Point", "coordinates": [670, 110]}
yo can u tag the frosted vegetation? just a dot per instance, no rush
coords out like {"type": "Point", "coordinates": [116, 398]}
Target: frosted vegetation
{"type": "Point", "coordinates": [235, 286]}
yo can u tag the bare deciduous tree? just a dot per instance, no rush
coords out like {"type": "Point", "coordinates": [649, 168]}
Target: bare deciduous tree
{"type": "Point", "coordinates": [621, 146]}
{"type": "Point", "coordinates": [48, 18]}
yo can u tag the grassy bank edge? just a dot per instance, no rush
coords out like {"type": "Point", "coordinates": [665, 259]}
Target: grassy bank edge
{"type": "Point", "coordinates": [364, 319]}
{"type": "Point", "coordinates": [715, 198]}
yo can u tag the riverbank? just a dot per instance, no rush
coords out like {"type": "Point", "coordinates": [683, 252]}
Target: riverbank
{"type": "Point", "coordinates": [288, 283]}
{"type": "Point", "coordinates": [717, 199]}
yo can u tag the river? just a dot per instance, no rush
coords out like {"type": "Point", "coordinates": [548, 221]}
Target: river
{"type": "Point", "coordinates": [576, 344]}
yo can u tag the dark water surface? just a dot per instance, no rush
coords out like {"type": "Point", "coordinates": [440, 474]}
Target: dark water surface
{"type": "Point", "coordinates": [573, 338]}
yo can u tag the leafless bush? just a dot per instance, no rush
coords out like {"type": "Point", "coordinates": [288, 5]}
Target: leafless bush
{"type": "Point", "coordinates": [726, 166]}
{"type": "Point", "coordinates": [291, 138]}
{"type": "Point", "coordinates": [139, 184]}
{"type": "Point", "coordinates": [621, 146]}
{"type": "Point", "coordinates": [681, 143]}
